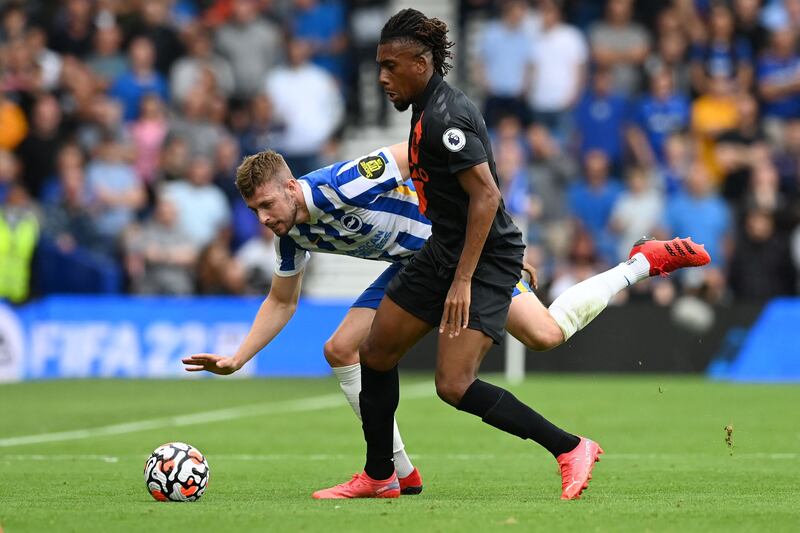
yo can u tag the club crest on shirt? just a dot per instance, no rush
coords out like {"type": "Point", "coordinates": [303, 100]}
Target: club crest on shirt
{"type": "Point", "coordinates": [454, 139]}
{"type": "Point", "coordinates": [352, 222]}
{"type": "Point", "coordinates": [371, 167]}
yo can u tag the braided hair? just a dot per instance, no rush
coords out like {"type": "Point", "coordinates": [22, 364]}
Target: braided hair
{"type": "Point", "coordinates": [431, 33]}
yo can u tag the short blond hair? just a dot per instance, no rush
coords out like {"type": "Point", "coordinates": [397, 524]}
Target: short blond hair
{"type": "Point", "coordinates": [264, 167]}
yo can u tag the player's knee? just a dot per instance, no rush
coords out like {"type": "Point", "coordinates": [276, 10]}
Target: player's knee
{"type": "Point", "coordinates": [451, 390]}
{"type": "Point", "coordinates": [551, 337]}
{"type": "Point", "coordinates": [376, 357]}
{"type": "Point", "coordinates": [339, 353]}
{"type": "Point", "coordinates": [545, 340]}
{"type": "Point", "coordinates": [544, 337]}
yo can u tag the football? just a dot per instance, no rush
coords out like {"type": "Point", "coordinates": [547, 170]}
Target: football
{"type": "Point", "coordinates": [176, 472]}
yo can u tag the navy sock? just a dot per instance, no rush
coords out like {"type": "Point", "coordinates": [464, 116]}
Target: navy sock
{"type": "Point", "coordinates": [380, 393]}
{"type": "Point", "coordinates": [501, 409]}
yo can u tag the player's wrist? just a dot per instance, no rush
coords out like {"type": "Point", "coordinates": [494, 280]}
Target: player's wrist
{"type": "Point", "coordinates": [462, 278]}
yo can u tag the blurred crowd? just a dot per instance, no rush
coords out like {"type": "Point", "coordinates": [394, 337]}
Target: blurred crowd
{"type": "Point", "coordinates": [121, 124]}
{"type": "Point", "coordinates": [618, 119]}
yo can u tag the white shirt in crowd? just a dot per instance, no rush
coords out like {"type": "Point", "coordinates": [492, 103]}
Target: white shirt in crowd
{"type": "Point", "coordinates": [639, 214]}
{"type": "Point", "coordinates": [558, 56]}
{"type": "Point", "coordinates": [307, 100]}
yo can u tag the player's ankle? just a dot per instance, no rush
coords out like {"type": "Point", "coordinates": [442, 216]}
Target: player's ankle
{"type": "Point", "coordinates": [636, 268]}
{"type": "Point", "coordinates": [402, 464]}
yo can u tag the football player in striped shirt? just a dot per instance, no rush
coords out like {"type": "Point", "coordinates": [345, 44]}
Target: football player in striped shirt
{"type": "Point", "coordinates": [364, 208]}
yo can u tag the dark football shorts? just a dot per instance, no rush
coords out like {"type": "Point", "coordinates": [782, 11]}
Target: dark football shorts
{"type": "Point", "coordinates": [421, 288]}
{"type": "Point", "coordinates": [372, 295]}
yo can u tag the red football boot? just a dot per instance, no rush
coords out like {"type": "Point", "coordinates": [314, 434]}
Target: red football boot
{"type": "Point", "coordinates": [576, 468]}
{"type": "Point", "coordinates": [412, 483]}
{"type": "Point", "coordinates": [667, 256]}
{"type": "Point", "coordinates": [362, 486]}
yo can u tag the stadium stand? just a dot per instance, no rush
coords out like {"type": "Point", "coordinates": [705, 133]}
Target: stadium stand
{"type": "Point", "coordinates": [678, 117]}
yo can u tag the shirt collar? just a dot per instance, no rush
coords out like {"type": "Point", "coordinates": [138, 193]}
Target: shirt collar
{"type": "Point", "coordinates": [314, 212]}
{"type": "Point", "coordinates": [433, 83]}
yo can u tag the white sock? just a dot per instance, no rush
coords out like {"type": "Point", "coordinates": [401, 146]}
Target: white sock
{"type": "Point", "coordinates": [581, 303]}
{"type": "Point", "coordinates": [350, 381]}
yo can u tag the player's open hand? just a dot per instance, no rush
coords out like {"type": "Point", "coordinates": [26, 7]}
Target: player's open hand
{"type": "Point", "coordinates": [216, 364]}
{"type": "Point", "coordinates": [456, 308]}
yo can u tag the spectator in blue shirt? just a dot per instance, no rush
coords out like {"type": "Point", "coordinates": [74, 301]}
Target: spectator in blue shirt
{"type": "Point", "coordinates": [600, 118]}
{"type": "Point", "coordinates": [118, 193]}
{"type": "Point", "coordinates": [723, 54]}
{"type": "Point", "coordinates": [515, 184]}
{"type": "Point", "coordinates": [140, 79]}
{"type": "Point", "coordinates": [323, 24]}
{"type": "Point", "coordinates": [779, 77]}
{"type": "Point", "coordinates": [700, 212]}
{"type": "Point", "coordinates": [658, 115]}
{"type": "Point", "coordinates": [592, 200]}
{"type": "Point", "coordinates": [504, 61]}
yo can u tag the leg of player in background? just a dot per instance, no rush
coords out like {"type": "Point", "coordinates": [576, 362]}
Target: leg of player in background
{"type": "Point", "coordinates": [394, 331]}
{"type": "Point", "coordinates": [341, 352]}
{"type": "Point", "coordinates": [531, 323]}
{"type": "Point", "coordinates": [541, 328]}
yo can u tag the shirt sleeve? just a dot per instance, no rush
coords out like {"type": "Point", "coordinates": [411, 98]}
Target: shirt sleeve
{"type": "Point", "coordinates": [362, 180]}
{"type": "Point", "coordinates": [460, 142]}
{"type": "Point", "coordinates": [290, 259]}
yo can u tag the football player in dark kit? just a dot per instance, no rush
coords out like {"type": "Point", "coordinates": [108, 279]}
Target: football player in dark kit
{"type": "Point", "coordinates": [461, 280]}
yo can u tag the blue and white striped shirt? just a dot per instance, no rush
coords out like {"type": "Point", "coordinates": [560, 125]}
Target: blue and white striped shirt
{"type": "Point", "coordinates": [361, 208]}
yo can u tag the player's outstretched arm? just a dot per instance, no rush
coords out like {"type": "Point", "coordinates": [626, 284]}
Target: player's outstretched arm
{"type": "Point", "coordinates": [271, 318]}
{"type": "Point", "coordinates": [484, 199]}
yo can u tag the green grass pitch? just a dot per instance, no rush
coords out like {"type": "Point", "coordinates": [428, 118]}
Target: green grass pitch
{"type": "Point", "coordinates": [667, 466]}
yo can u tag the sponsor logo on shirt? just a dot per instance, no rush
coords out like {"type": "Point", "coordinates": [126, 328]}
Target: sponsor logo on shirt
{"type": "Point", "coordinates": [373, 246]}
{"type": "Point", "coordinates": [372, 167]}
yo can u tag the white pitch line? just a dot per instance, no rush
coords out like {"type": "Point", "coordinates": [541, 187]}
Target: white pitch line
{"type": "Point", "coordinates": [59, 457]}
{"type": "Point", "coordinates": [416, 457]}
{"type": "Point", "coordinates": [315, 403]}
